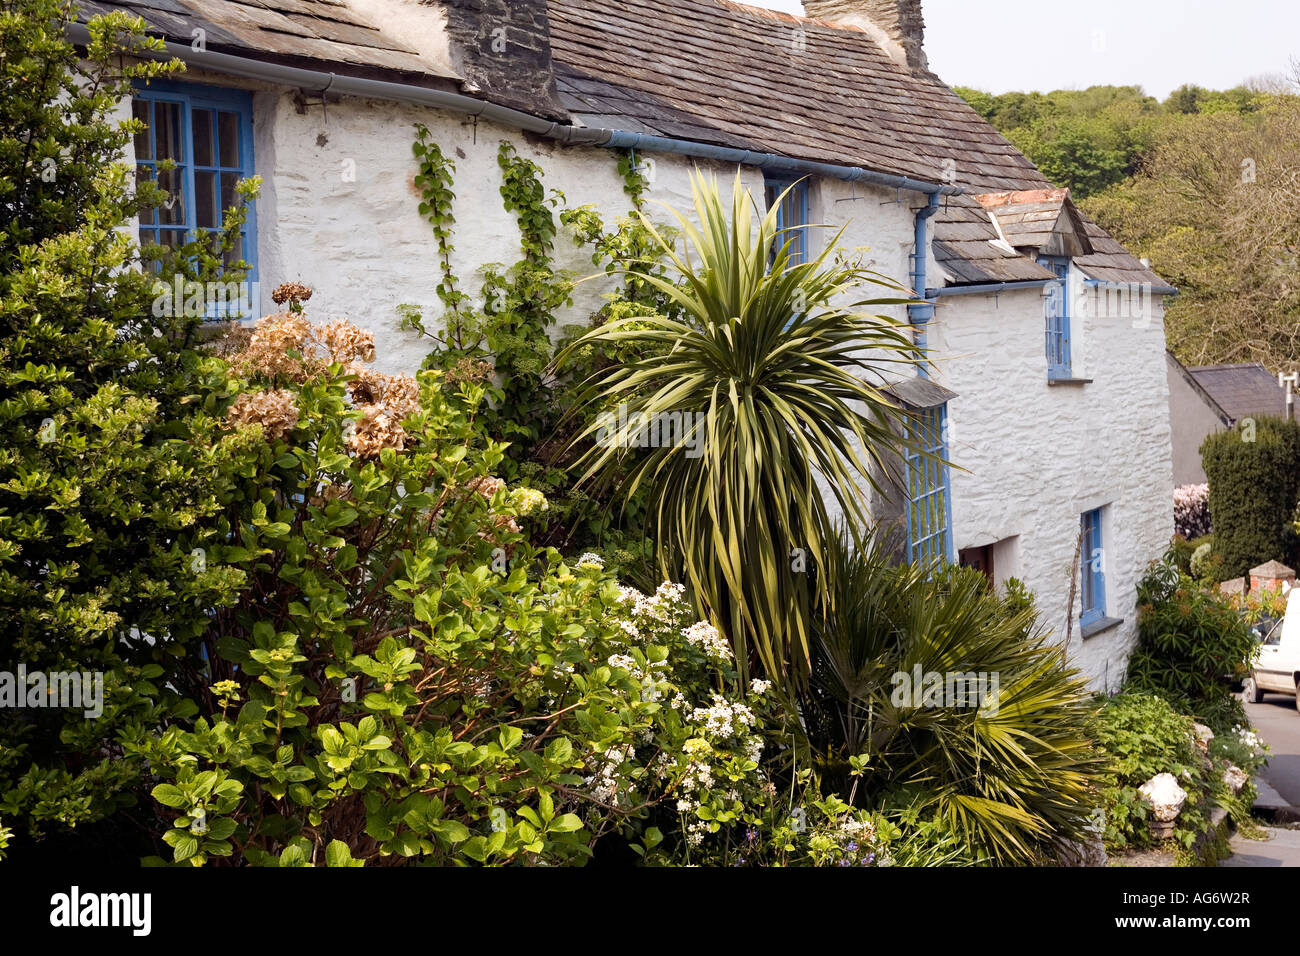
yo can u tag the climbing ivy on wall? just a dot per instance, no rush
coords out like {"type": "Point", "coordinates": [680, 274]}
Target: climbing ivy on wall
{"type": "Point", "coordinates": [434, 181]}
{"type": "Point", "coordinates": [512, 331]}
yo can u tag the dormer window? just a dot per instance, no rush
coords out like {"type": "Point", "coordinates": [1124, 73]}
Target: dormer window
{"type": "Point", "coordinates": [1045, 224]}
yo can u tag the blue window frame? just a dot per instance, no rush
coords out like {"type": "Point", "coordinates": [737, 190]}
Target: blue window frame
{"type": "Point", "coordinates": [929, 499]}
{"type": "Point", "coordinates": [791, 213]}
{"type": "Point", "coordinates": [1093, 569]}
{"type": "Point", "coordinates": [1057, 309]}
{"type": "Point", "coordinates": [207, 132]}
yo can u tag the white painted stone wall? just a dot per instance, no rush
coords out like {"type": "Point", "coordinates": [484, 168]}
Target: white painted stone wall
{"type": "Point", "coordinates": [1036, 456]}
{"type": "Point", "coordinates": [364, 247]}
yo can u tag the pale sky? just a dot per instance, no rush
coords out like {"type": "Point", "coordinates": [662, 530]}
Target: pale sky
{"type": "Point", "coordinates": [1002, 45]}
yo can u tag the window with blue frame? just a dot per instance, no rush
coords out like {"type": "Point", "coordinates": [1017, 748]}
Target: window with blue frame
{"type": "Point", "coordinates": [207, 132]}
{"type": "Point", "coordinates": [929, 504]}
{"type": "Point", "coordinates": [1093, 570]}
{"type": "Point", "coordinates": [791, 214]}
{"type": "Point", "coordinates": [1057, 302]}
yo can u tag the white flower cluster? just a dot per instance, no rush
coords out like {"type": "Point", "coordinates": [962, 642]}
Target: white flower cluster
{"type": "Point", "coordinates": [663, 607]}
{"type": "Point", "coordinates": [591, 560]}
{"type": "Point", "coordinates": [759, 687]}
{"type": "Point", "coordinates": [1250, 739]}
{"type": "Point", "coordinates": [651, 686]}
{"type": "Point", "coordinates": [604, 781]}
{"type": "Point", "coordinates": [709, 639]}
{"type": "Point", "coordinates": [628, 663]}
{"type": "Point", "coordinates": [724, 719]}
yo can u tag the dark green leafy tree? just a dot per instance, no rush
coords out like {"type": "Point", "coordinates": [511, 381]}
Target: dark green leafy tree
{"type": "Point", "coordinates": [107, 468]}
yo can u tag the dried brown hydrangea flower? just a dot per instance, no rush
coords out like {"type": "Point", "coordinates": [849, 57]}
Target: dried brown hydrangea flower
{"type": "Point", "coordinates": [274, 411]}
{"type": "Point", "coordinates": [485, 485]}
{"type": "Point", "coordinates": [286, 347]}
{"type": "Point", "coordinates": [278, 348]}
{"type": "Point", "coordinates": [399, 394]}
{"type": "Point", "coordinates": [376, 430]}
{"type": "Point", "coordinates": [291, 292]}
{"type": "Point", "coordinates": [346, 343]}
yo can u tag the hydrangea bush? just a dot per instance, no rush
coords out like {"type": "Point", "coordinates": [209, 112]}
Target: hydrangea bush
{"type": "Point", "coordinates": [407, 678]}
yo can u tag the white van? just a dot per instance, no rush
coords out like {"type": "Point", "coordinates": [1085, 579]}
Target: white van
{"type": "Point", "coordinates": [1276, 667]}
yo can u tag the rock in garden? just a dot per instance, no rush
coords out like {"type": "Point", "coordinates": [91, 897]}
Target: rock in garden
{"type": "Point", "coordinates": [1203, 737]}
{"type": "Point", "coordinates": [1235, 778]}
{"type": "Point", "coordinates": [1087, 852]}
{"type": "Point", "coordinates": [1164, 796]}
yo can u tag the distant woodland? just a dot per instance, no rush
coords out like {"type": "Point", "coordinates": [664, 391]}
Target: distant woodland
{"type": "Point", "coordinates": [1206, 184]}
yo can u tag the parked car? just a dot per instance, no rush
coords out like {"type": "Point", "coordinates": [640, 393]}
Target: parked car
{"type": "Point", "coordinates": [1276, 667]}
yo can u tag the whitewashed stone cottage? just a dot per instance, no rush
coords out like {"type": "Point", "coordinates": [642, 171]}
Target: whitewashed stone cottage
{"type": "Point", "coordinates": [1046, 385]}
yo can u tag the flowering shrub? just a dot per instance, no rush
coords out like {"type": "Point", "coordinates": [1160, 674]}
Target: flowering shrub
{"type": "Point", "coordinates": [1204, 564]}
{"type": "Point", "coordinates": [1192, 510]}
{"type": "Point", "coordinates": [1259, 604]}
{"type": "Point", "coordinates": [407, 677]}
{"type": "Point", "coordinates": [1242, 747]}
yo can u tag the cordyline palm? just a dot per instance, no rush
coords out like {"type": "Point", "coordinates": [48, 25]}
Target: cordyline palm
{"type": "Point", "coordinates": [781, 363]}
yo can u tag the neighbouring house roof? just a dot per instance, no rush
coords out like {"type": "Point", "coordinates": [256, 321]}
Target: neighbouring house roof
{"type": "Point", "coordinates": [1241, 390]}
{"type": "Point", "coordinates": [710, 71]}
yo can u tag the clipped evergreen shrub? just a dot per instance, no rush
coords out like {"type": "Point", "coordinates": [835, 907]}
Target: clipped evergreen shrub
{"type": "Point", "coordinates": [1254, 475]}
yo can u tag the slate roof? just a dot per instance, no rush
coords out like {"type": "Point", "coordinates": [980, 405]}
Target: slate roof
{"type": "Point", "coordinates": [720, 72]}
{"type": "Point", "coordinates": [758, 79]}
{"type": "Point", "coordinates": [968, 248]}
{"type": "Point", "coordinates": [711, 71]}
{"type": "Point", "coordinates": [297, 32]}
{"type": "Point", "coordinates": [1243, 390]}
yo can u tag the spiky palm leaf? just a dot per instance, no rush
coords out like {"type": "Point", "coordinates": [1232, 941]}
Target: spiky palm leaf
{"type": "Point", "coordinates": [783, 360]}
{"type": "Point", "coordinates": [1012, 778]}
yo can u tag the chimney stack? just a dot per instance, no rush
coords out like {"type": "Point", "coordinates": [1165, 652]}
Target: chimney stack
{"type": "Point", "coordinates": [897, 25]}
{"type": "Point", "coordinates": [503, 50]}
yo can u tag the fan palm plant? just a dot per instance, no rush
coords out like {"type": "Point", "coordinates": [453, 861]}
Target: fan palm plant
{"type": "Point", "coordinates": [775, 368]}
{"type": "Point", "coordinates": [1013, 774]}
